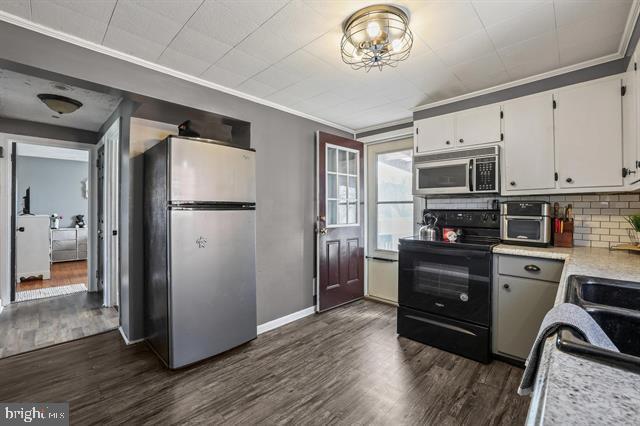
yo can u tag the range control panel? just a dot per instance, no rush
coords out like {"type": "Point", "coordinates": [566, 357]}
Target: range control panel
{"type": "Point", "coordinates": [486, 178]}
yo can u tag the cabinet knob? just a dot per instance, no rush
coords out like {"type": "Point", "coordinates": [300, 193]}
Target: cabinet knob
{"type": "Point", "coordinates": [569, 180]}
{"type": "Point", "coordinates": [461, 140]}
{"type": "Point", "coordinates": [448, 142]}
{"type": "Point", "coordinates": [512, 183]}
{"type": "Point", "coordinates": [21, 229]}
{"type": "Point", "coordinates": [506, 287]}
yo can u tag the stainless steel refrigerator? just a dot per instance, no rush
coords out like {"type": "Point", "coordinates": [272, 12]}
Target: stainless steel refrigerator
{"type": "Point", "coordinates": [200, 275]}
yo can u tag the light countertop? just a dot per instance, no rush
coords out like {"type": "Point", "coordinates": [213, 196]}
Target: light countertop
{"type": "Point", "coordinates": [570, 389]}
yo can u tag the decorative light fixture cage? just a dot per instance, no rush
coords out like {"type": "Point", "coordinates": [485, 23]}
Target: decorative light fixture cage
{"type": "Point", "coordinates": [376, 36]}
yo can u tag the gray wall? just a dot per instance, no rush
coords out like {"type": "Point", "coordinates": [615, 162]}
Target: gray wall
{"type": "Point", "coordinates": [285, 169]}
{"type": "Point", "coordinates": [56, 186]}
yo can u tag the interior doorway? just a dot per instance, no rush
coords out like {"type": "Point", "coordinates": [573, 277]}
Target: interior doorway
{"type": "Point", "coordinates": [51, 207]}
{"type": "Point", "coordinates": [56, 294]}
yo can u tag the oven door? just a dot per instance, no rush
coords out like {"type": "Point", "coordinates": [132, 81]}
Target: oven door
{"type": "Point", "coordinates": [443, 177]}
{"type": "Point", "coordinates": [453, 282]}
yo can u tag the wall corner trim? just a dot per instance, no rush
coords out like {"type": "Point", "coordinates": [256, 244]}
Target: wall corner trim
{"type": "Point", "coordinates": [126, 339]}
{"type": "Point", "coordinates": [279, 322]}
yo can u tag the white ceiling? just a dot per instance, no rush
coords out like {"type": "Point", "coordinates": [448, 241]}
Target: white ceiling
{"type": "Point", "coordinates": [18, 99]}
{"type": "Point", "coordinates": [287, 51]}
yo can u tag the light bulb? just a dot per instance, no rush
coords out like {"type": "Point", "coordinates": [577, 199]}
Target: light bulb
{"type": "Point", "coordinates": [396, 45]}
{"type": "Point", "coordinates": [373, 29]}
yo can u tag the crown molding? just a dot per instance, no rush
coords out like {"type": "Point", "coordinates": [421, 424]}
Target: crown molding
{"type": "Point", "coordinates": [68, 38]}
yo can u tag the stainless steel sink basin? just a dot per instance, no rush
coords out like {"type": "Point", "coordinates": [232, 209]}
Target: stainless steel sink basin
{"type": "Point", "coordinates": [615, 306]}
{"type": "Point", "coordinates": [605, 292]}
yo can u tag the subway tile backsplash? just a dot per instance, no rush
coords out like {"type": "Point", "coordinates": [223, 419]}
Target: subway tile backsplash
{"type": "Point", "coordinates": [600, 218]}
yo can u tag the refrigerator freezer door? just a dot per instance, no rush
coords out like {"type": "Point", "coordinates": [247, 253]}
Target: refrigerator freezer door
{"type": "Point", "coordinates": [206, 172]}
{"type": "Point", "coordinates": [212, 282]}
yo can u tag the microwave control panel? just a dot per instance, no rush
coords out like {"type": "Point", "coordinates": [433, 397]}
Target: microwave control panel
{"type": "Point", "coordinates": [486, 178]}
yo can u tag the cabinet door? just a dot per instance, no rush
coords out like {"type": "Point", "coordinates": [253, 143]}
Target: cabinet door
{"type": "Point", "coordinates": [629, 122]}
{"type": "Point", "coordinates": [588, 134]}
{"type": "Point", "coordinates": [434, 133]}
{"type": "Point", "coordinates": [478, 125]}
{"type": "Point", "coordinates": [522, 304]}
{"type": "Point", "coordinates": [528, 143]}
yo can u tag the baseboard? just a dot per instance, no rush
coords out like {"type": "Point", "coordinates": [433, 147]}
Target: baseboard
{"type": "Point", "coordinates": [381, 300]}
{"type": "Point", "coordinates": [279, 322]}
{"type": "Point", "coordinates": [126, 339]}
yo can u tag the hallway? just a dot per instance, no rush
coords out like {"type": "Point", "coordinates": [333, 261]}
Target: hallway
{"type": "Point", "coordinates": [39, 323]}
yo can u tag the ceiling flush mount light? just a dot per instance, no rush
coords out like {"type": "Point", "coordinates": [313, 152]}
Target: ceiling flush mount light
{"type": "Point", "coordinates": [59, 104]}
{"type": "Point", "coordinates": [376, 36]}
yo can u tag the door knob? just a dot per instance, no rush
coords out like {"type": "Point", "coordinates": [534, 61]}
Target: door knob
{"type": "Point", "coordinates": [506, 287]}
{"type": "Point", "coordinates": [21, 229]}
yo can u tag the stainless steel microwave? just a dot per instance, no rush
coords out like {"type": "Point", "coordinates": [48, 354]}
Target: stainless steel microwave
{"type": "Point", "coordinates": [471, 171]}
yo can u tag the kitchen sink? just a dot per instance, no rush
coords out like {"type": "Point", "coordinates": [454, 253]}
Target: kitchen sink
{"type": "Point", "coordinates": [615, 307]}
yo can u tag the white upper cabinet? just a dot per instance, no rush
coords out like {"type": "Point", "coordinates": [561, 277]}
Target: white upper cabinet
{"type": "Point", "coordinates": [630, 139]}
{"type": "Point", "coordinates": [588, 134]}
{"type": "Point", "coordinates": [457, 130]}
{"type": "Point", "coordinates": [478, 125]}
{"type": "Point", "coordinates": [434, 133]}
{"type": "Point", "coordinates": [528, 143]}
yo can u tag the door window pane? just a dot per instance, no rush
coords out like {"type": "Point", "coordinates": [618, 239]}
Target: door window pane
{"type": "Point", "coordinates": [394, 221]}
{"type": "Point", "coordinates": [331, 160]}
{"type": "Point", "coordinates": [342, 213]}
{"type": "Point", "coordinates": [332, 186]}
{"type": "Point", "coordinates": [342, 186]}
{"type": "Point", "coordinates": [342, 161]}
{"type": "Point", "coordinates": [394, 176]}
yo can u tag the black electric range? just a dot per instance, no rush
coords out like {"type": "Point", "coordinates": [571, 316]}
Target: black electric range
{"type": "Point", "coordinates": [444, 288]}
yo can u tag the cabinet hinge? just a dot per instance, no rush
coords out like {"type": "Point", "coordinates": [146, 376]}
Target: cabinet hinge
{"type": "Point", "coordinates": [555, 104]}
{"type": "Point", "coordinates": [623, 90]}
{"type": "Point", "coordinates": [501, 114]}
{"type": "Point", "coordinates": [555, 176]}
{"type": "Point", "coordinates": [501, 136]}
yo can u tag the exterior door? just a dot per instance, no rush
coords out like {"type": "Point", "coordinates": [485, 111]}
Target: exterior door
{"type": "Point", "coordinates": [340, 219]}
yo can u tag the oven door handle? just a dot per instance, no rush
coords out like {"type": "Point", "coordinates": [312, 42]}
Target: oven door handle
{"type": "Point", "coordinates": [443, 251]}
{"type": "Point", "coordinates": [471, 175]}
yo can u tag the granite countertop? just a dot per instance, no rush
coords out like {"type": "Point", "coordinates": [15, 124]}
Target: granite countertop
{"type": "Point", "coordinates": [570, 389]}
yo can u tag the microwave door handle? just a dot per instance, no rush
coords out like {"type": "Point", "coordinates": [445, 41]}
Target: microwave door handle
{"type": "Point", "coordinates": [471, 175]}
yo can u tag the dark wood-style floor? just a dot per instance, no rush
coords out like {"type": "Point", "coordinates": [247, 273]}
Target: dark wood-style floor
{"type": "Point", "coordinates": [346, 366]}
{"type": "Point", "coordinates": [62, 273]}
{"type": "Point", "coordinates": [35, 324]}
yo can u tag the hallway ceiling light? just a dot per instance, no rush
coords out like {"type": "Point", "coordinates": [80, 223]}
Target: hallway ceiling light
{"type": "Point", "coordinates": [59, 104]}
{"type": "Point", "coordinates": [376, 36]}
